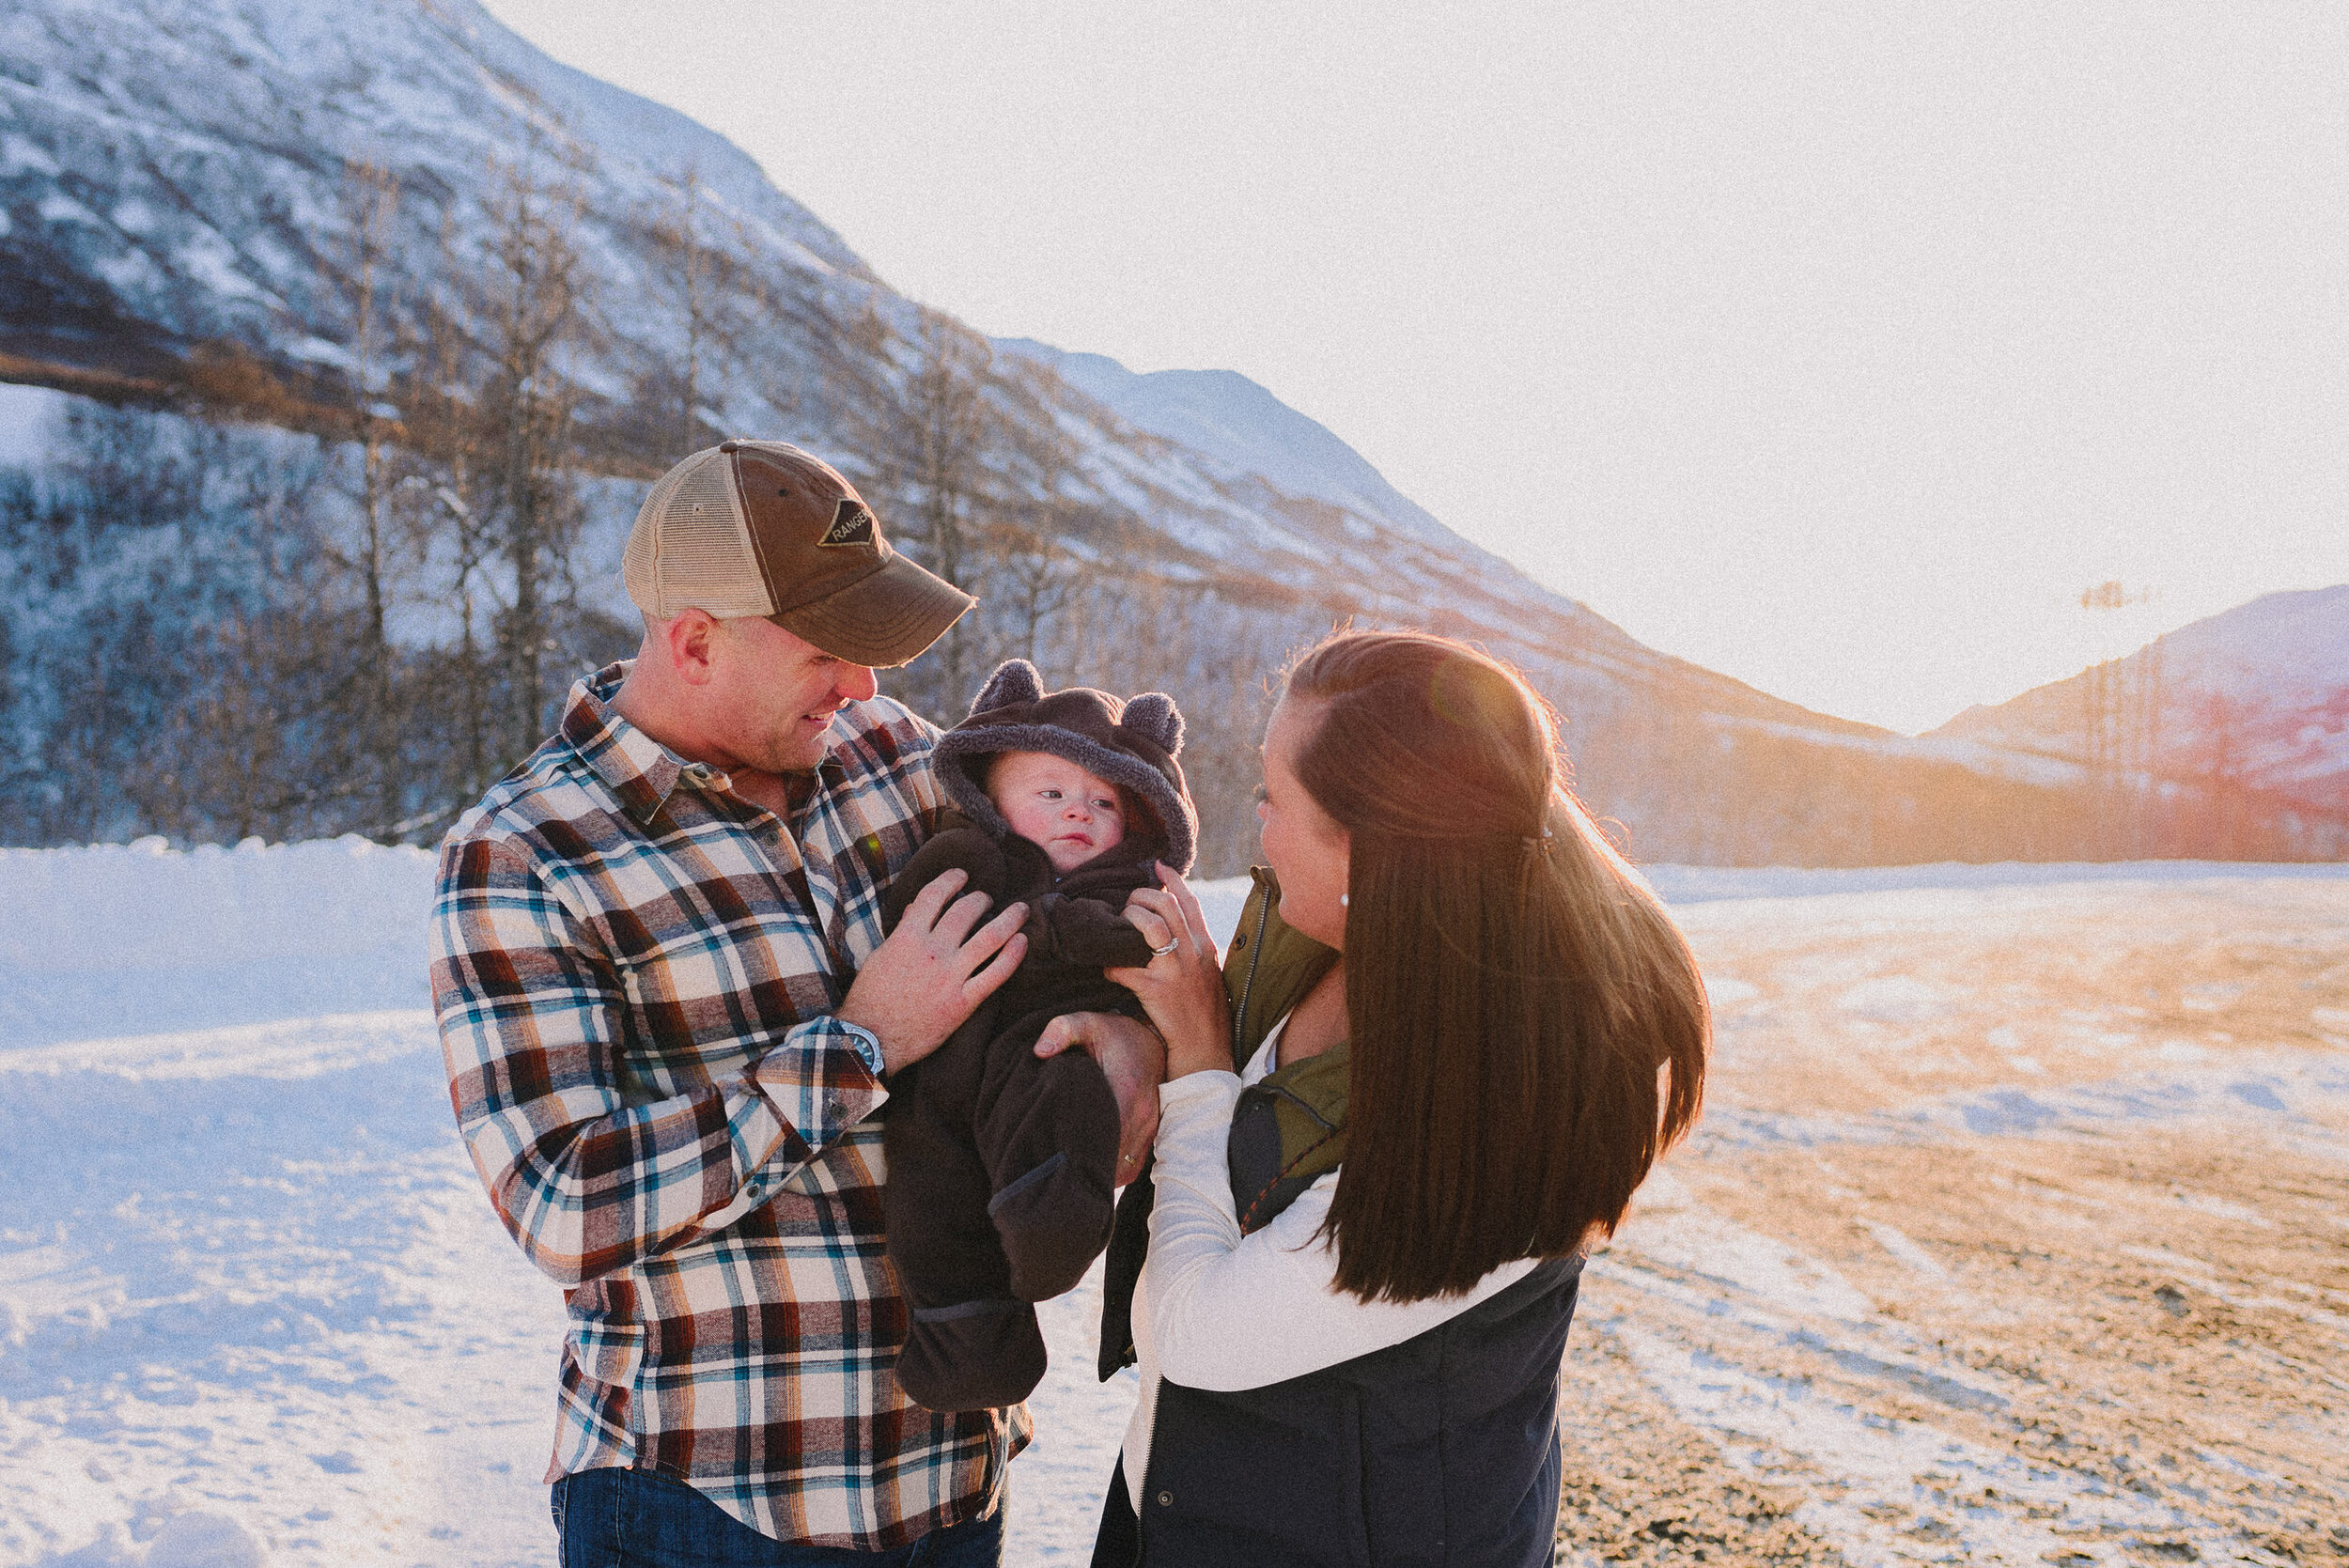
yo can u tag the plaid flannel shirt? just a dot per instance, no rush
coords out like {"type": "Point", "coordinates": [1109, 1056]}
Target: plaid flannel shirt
{"type": "Point", "coordinates": [634, 970]}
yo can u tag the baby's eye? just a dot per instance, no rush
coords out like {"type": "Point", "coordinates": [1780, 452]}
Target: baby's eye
{"type": "Point", "coordinates": [1049, 794]}
{"type": "Point", "coordinates": [1105, 803]}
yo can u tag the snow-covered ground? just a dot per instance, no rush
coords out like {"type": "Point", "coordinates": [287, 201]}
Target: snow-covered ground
{"type": "Point", "coordinates": [2015, 1234]}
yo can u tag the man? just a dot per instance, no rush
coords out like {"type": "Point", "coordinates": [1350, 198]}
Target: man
{"type": "Point", "coordinates": [668, 1015]}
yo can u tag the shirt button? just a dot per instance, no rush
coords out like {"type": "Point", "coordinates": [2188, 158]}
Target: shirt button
{"type": "Point", "coordinates": [832, 1109]}
{"type": "Point", "coordinates": [1166, 1500]}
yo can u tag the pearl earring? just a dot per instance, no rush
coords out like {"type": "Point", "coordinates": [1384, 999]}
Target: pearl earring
{"type": "Point", "coordinates": [1345, 900]}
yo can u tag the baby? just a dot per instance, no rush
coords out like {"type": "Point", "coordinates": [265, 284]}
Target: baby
{"type": "Point", "coordinates": [1001, 1166]}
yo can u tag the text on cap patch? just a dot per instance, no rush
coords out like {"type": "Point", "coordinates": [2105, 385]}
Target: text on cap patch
{"type": "Point", "coordinates": [850, 525]}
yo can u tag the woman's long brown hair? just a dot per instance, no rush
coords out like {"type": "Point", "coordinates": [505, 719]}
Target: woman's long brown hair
{"type": "Point", "coordinates": [1527, 1027]}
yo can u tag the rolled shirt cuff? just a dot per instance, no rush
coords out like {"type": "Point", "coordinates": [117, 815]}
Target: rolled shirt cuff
{"type": "Point", "coordinates": [820, 1082]}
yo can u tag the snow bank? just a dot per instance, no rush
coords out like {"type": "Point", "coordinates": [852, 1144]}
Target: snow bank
{"type": "Point", "coordinates": [30, 418]}
{"type": "Point", "coordinates": [117, 940]}
{"type": "Point", "coordinates": [121, 939]}
{"type": "Point", "coordinates": [1220, 901]}
{"type": "Point", "coordinates": [126, 939]}
{"type": "Point", "coordinates": [144, 907]}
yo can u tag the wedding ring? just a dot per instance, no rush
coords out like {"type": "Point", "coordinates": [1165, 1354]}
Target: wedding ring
{"type": "Point", "coordinates": [1163, 951]}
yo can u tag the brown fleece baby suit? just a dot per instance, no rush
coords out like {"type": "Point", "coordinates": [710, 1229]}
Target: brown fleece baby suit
{"type": "Point", "coordinates": [1001, 1165]}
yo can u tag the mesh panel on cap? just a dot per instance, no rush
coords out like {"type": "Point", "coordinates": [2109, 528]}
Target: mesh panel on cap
{"type": "Point", "coordinates": [636, 565]}
{"type": "Point", "coordinates": [691, 546]}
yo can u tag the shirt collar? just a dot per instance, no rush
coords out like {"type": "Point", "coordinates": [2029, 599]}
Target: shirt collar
{"type": "Point", "coordinates": [633, 765]}
{"type": "Point", "coordinates": [637, 769]}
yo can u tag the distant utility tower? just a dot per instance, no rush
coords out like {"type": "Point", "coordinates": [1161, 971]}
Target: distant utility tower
{"type": "Point", "coordinates": [2121, 712]}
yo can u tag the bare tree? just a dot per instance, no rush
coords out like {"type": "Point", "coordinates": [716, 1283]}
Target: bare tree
{"type": "Point", "coordinates": [371, 201]}
{"type": "Point", "coordinates": [527, 404]}
{"type": "Point", "coordinates": [697, 248]}
{"type": "Point", "coordinates": [691, 278]}
{"type": "Point", "coordinates": [444, 502]}
{"type": "Point", "coordinates": [1032, 571]}
{"type": "Point", "coordinates": [944, 441]}
{"type": "Point", "coordinates": [1030, 582]}
{"type": "Point", "coordinates": [371, 195]}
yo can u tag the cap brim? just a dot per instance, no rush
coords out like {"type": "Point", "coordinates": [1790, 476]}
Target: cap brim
{"type": "Point", "coordinates": [884, 619]}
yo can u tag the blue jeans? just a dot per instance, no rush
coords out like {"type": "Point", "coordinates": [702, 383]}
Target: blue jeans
{"type": "Point", "coordinates": [613, 1518]}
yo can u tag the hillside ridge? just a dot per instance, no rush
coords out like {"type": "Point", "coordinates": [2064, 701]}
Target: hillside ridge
{"type": "Point", "coordinates": [187, 191]}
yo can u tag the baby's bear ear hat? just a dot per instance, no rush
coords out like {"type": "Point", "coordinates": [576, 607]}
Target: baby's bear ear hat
{"type": "Point", "coordinates": [1132, 744]}
{"type": "Point", "coordinates": [1015, 680]}
{"type": "Point", "coordinates": [1154, 718]}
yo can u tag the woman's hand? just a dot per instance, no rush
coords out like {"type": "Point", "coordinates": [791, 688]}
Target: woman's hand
{"type": "Point", "coordinates": [1182, 987]}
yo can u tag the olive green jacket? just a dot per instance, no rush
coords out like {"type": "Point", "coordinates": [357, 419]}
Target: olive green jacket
{"type": "Point", "coordinates": [1288, 1129]}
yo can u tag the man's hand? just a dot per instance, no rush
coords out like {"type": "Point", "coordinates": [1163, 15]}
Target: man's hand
{"type": "Point", "coordinates": [934, 971]}
{"type": "Point", "coordinates": [1133, 1057]}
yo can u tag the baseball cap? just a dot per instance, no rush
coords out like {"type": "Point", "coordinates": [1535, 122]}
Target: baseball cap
{"type": "Point", "coordinates": [762, 528]}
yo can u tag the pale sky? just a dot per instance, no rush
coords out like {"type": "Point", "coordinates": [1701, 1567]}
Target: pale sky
{"type": "Point", "coordinates": [1836, 347]}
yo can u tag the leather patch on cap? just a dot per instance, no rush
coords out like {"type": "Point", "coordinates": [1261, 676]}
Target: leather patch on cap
{"type": "Point", "coordinates": [851, 524]}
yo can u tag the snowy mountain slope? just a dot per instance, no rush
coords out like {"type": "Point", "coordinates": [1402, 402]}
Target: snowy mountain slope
{"type": "Point", "coordinates": [1225, 415]}
{"type": "Point", "coordinates": [2257, 694]}
{"type": "Point", "coordinates": [174, 174]}
{"type": "Point", "coordinates": [178, 177]}
{"type": "Point", "coordinates": [1293, 461]}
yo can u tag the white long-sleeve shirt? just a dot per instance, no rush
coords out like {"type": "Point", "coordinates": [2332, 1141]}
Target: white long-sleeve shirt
{"type": "Point", "coordinates": [1218, 1310]}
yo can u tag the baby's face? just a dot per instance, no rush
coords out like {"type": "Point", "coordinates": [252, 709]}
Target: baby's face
{"type": "Point", "coordinates": [1057, 806]}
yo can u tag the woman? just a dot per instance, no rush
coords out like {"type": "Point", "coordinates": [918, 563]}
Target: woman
{"type": "Point", "coordinates": [1455, 1033]}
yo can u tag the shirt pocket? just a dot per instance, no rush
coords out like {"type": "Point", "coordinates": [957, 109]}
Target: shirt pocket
{"type": "Point", "coordinates": [607, 1352]}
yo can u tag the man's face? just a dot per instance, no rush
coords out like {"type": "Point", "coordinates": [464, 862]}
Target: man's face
{"type": "Point", "coordinates": [773, 694]}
